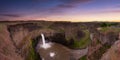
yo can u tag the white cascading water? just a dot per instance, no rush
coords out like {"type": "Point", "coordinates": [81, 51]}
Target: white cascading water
{"type": "Point", "coordinates": [44, 44]}
{"type": "Point", "coordinates": [43, 39]}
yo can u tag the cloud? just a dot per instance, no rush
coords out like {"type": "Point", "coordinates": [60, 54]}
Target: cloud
{"type": "Point", "coordinates": [117, 11]}
{"type": "Point", "coordinates": [69, 3]}
{"type": "Point", "coordinates": [40, 1]}
{"type": "Point", "coordinates": [73, 2]}
{"type": "Point", "coordinates": [10, 15]}
{"type": "Point", "coordinates": [118, 6]}
{"type": "Point", "coordinates": [66, 4]}
{"type": "Point", "coordinates": [113, 11]}
{"type": "Point", "coordinates": [48, 7]}
{"type": "Point", "coordinates": [107, 11]}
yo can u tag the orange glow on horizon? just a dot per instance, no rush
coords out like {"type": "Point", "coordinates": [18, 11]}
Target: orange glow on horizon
{"type": "Point", "coordinates": [110, 17]}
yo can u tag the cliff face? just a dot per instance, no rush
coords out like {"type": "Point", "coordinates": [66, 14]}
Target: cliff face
{"type": "Point", "coordinates": [7, 48]}
{"type": "Point", "coordinates": [114, 52]}
{"type": "Point", "coordinates": [102, 40]}
{"type": "Point", "coordinates": [86, 41]}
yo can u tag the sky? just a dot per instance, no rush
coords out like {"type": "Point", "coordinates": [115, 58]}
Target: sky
{"type": "Point", "coordinates": [60, 10]}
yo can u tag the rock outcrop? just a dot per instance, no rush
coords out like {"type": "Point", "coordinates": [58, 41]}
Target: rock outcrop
{"type": "Point", "coordinates": [114, 52]}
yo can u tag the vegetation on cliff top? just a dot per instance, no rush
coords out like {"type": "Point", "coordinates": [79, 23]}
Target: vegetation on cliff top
{"type": "Point", "coordinates": [83, 42]}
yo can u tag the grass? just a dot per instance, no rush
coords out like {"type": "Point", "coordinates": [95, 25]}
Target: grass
{"type": "Point", "coordinates": [29, 48]}
{"type": "Point", "coordinates": [98, 42]}
{"type": "Point", "coordinates": [108, 24]}
{"type": "Point", "coordinates": [32, 55]}
{"type": "Point", "coordinates": [2, 27]}
{"type": "Point", "coordinates": [84, 42]}
{"type": "Point", "coordinates": [83, 58]}
{"type": "Point", "coordinates": [106, 29]}
{"type": "Point", "coordinates": [1, 31]}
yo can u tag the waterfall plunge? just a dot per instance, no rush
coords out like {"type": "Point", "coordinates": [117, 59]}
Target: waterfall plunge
{"type": "Point", "coordinates": [44, 44]}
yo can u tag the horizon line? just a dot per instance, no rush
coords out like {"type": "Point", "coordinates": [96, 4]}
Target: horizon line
{"type": "Point", "coordinates": [51, 21]}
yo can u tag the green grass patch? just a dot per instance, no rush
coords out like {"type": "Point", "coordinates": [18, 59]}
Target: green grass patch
{"type": "Point", "coordinates": [83, 58]}
{"type": "Point", "coordinates": [2, 27]}
{"type": "Point", "coordinates": [98, 42]}
{"type": "Point", "coordinates": [83, 42]}
{"type": "Point", "coordinates": [108, 24]}
{"type": "Point", "coordinates": [106, 29]}
{"type": "Point", "coordinates": [32, 55]}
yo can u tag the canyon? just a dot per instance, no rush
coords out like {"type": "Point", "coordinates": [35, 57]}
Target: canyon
{"type": "Point", "coordinates": [21, 40]}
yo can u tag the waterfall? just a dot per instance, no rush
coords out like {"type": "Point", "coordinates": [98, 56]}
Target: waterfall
{"type": "Point", "coordinates": [44, 44]}
{"type": "Point", "coordinates": [43, 39]}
